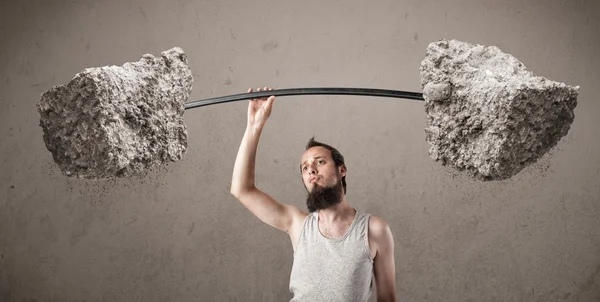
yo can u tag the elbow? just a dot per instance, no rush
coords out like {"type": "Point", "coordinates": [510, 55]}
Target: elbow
{"type": "Point", "coordinates": [235, 191]}
{"type": "Point", "coordinates": [235, 188]}
{"type": "Point", "coordinates": [238, 191]}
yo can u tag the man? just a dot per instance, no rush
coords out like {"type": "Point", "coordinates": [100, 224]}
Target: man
{"type": "Point", "coordinates": [337, 250]}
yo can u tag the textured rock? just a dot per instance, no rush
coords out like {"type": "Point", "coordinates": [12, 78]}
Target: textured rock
{"type": "Point", "coordinates": [119, 120]}
{"type": "Point", "coordinates": [486, 114]}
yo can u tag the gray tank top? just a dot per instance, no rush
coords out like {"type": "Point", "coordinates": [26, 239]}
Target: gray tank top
{"type": "Point", "coordinates": [326, 269]}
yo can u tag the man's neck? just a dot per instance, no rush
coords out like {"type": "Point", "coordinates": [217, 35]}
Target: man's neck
{"type": "Point", "coordinates": [338, 213]}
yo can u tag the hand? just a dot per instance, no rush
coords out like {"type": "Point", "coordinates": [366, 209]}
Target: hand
{"type": "Point", "coordinates": [259, 110]}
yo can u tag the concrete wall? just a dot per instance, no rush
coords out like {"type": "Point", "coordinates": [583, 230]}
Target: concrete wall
{"type": "Point", "coordinates": [178, 235]}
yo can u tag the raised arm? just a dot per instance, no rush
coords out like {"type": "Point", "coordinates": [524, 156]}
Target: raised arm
{"type": "Point", "coordinates": [263, 206]}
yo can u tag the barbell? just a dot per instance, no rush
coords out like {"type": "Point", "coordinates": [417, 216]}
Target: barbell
{"type": "Point", "coordinates": [486, 114]}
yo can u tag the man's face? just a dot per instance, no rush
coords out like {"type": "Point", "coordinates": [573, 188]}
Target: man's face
{"type": "Point", "coordinates": [318, 167]}
{"type": "Point", "coordinates": [322, 179]}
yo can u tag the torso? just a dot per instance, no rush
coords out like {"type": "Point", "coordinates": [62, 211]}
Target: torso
{"type": "Point", "coordinates": [337, 251]}
{"type": "Point", "coordinates": [336, 231]}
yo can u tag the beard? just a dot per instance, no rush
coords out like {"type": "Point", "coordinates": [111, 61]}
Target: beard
{"type": "Point", "coordinates": [324, 197]}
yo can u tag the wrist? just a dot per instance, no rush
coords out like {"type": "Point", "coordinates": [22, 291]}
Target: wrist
{"type": "Point", "coordinates": [254, 127]}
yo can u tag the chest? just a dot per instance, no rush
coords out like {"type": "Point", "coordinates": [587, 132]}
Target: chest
{"type": "Point", "coordinates": [334, 231]}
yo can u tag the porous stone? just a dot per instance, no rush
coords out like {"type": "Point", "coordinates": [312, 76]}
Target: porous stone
{"type": "Point", "coordinates": [486, 113]}
{"type": "Point", "coordinates": [119, 121]}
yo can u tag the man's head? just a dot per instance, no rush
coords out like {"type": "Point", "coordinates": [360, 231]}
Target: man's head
{"type": "Point", "coordinates": [323, 174]}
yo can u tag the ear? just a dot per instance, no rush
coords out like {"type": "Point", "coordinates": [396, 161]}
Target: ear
{"type": "Point", "coordinates": [343, 170]}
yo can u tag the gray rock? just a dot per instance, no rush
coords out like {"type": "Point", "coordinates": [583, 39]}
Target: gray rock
{"type": "Point", "coordinates": [119, 120]}
{"type": "Point", "coordinates": [486, 114]}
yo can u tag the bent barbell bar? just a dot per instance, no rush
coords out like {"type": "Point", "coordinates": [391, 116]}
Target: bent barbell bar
{"type": "Point", "coordinates": [307, 91]}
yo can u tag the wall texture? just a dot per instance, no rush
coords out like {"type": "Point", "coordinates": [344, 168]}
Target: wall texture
{"type": "Point", "coordinates": [178, 235]}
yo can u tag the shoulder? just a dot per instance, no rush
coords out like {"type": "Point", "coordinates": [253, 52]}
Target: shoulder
{"type": "Point", "coordinates": [377, 225]}
{"type": "Point", "coordinates": [379, 230]}
{"type": "Point", "coordinates": [297, 216]}
{"type": "Point", "coordinates": [298, 213]}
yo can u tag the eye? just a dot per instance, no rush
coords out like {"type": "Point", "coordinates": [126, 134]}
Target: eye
{"type": "Point", "coordinates": [321, 161]}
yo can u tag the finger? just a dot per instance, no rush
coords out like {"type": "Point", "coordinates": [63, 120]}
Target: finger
{"type": "Point", "coordinates": [270, 100]}
{"type": "Point", "coordinates": [257, 90]}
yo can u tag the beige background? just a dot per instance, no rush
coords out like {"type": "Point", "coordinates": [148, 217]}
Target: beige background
{"type": "Point", "coordinates": [178, 235]}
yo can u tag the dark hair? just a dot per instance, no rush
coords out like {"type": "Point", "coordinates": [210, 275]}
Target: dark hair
{"type": "Point", "coordinates": [338, 159]}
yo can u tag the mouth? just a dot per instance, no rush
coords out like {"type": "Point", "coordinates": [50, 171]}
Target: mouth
{"type": "Point", "coordinates": [312, 179]}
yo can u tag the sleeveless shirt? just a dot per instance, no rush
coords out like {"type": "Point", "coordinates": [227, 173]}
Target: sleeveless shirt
{"type": "Point", "coordinates": [327, 269]}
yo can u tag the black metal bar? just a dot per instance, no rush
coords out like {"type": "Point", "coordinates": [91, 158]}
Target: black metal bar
{"type": "Point", "coordinates": [307, 91]}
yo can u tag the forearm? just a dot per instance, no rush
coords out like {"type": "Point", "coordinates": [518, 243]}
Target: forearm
{"type": "Point", "coordinates": [391, 297]}
{"type": "Point", "coordinates": [244, 167]}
